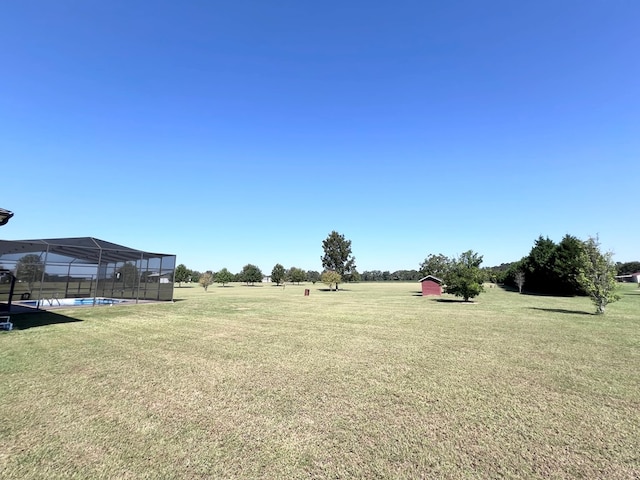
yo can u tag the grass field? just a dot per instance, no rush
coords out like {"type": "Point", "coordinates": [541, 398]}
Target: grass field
{"type": "Point", "coordinates": [372, 381]}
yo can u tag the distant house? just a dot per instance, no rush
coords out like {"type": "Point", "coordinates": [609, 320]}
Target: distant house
{"type": "Point", "coordinates": [631, 277]}
{"type": "Point", "coordinates": [431, 285]}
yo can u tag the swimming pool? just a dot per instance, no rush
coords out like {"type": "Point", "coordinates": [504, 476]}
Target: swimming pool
{"type": "Point", "coordinates": [70, 302]}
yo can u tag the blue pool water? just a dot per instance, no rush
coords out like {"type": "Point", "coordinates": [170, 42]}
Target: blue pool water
{"type": "Point", "coordinates": [70, 302]}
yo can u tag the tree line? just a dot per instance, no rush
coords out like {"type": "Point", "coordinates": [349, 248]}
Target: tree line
{"type": "Point", "coordinates": [249, 275]}
{"type": "Point", "coordinates": [571, 267]}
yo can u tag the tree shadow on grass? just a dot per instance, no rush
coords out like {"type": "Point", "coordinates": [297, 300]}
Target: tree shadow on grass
{"type": "Point", "coordinates": [561, 310]}
{"type": "Point", "coordinates": [453, 300]}
{"type": "Point", "coordinates": [39, 318]}
{"type": "Point", "coordinates": [508, 288]}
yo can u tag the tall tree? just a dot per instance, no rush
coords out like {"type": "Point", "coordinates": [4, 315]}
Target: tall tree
{"type": "Point", "coordinates": [539, 266]}
{"type": "Point", "coordinates": [337, 255]}
{"type": "Point", "coordinates": [597, 275]}
{"type": "Point", "coordinates": [435, 265]}
{"type": "Point", "coordinates": [566, 266]}
{"type": "Point", "coordinates": [277, 274]}
{"type": "Point", "coordinates": [464, 278]}
{"type": "Point", "coordinates": [224, 276]}
{"type": "Point", "coordinates": [251, 274]}
{"type": "Point", "coordinates": [30, 269]}
{"type": "Point", "coordinates": [182, 274]}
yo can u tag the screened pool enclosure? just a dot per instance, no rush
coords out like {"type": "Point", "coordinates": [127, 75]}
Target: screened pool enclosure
{"type": "Point", "coordinates": [63, 268]}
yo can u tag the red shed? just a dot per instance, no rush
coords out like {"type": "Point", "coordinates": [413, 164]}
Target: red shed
{"type": "Point", "coordinates": [431, 285]}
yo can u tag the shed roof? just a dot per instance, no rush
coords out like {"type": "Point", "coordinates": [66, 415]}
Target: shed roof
{"type": "Point", "coordinates": [432, 278]}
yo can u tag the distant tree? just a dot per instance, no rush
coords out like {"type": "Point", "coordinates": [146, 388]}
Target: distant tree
{"type": "Point", "coordinates": [313, 276]}
{"type": "Point", "coordinates": [627, 268]}
{"type": "Point", "coordinates": [237, 277]}
{"type": "Point", "coordinates": [464, 278]}
{"type": "Point", "coordinates": [127, 275]}
{"type": "Point", "coordinates": [519, 279]}
{"type": "Point", "coordinates": [503, 273]}
{"type": "Point", "coordinates": [278, 274]}
{"type": "Point", "coordinates": [337, 254]}
{"type": "Point", "coordinates": [354, 276]}
{"type": "Point", "coordinates": [251, 274]}
{"type": "Point", "coordinates": [372, 276]}
{"type": "Point", "coordinates": [30, 269]}
{"type": "Point", "coordinates": [330, 277]}
{"type": "Point", "coordinates": [194, 275]}
{"type": "Point", "coordinates": [182, 274]}
{"type": "Point", "coordinates": [435, 265]}
{"type": "Point", "coordinates": [296, 275]}
{"type": "Point", "coordinates": [597, 275]}
{"type": "Point", "coordinates": [224, 276]}
{"type": "Point", "coordinates": [406, 275]}
{"type": "Point", "coordinates": [205, 280]}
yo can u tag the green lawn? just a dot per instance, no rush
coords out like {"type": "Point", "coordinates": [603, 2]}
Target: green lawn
{"type": "Point", "coordinates": [372, 381]}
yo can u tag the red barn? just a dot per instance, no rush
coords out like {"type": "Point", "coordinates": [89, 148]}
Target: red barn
{"type": "Point", "coordinates": [431, 285]}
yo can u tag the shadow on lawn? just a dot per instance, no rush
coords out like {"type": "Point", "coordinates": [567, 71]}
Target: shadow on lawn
{"type": "Point", "coordinates": [508, 288]}
{"type": "Point", "coordinates": [454, 300]}
{"type": "Point", "coordinates": [561, 310]}
{"type": "Point", "coordinates": [39, 318]}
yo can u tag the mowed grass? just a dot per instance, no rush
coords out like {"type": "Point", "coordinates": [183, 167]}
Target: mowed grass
{"type": "Point", "coordinates": [372, 381]}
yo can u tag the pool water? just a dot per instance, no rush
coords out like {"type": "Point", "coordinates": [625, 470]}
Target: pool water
{"type": "Point", "coordinates": [55, 302]}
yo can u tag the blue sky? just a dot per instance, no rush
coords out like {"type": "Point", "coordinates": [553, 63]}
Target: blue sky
{"type": "Point", "coordinates": [245, 132]}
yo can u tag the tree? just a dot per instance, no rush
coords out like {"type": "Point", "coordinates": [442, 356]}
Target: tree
{"type": "Point", "coordinates": [464, 278]}
{"type": "Point", "coordinates": [566, 266]}
{"type": "Point", "coordinates": [435, 265]}
{"type": "Point", "coordinates": [337, 255]}
{"type": "Point", "coordinates": [182, 274]}
{"type": "Point", "coordinates": [205, 280]}
{"type": "Point", "coordinates": [330, 277]}
{"type": "Point", "coordinates": [519, 279]}
{"type": "Point", "coordinates": [627, 268]}
{"type": "Point", "coordinates": [354, 276]}
{"type": "Point", "coordinates": [277, 274]}
{"type": "Point", "coordinates": [406, 275]}
{"type": "Point", "coordinates": [30, 269]}
{"type": "Point", "coordinates": [127, 274]}
{"type": "Point", "coordinates": [597, 275]}
{"type": "Point", "coordinates": [251, 274]}
{"type": "Point", "coordinates": [313, 276]}
{"type": "Point", "coordinates": [194, 275]}
{"type": "Point", "coordinates": [539, 266]}
{"type": "Point", "coordinates": [224, 276]}
{"type": "Point", "coordinates": [296, 275]}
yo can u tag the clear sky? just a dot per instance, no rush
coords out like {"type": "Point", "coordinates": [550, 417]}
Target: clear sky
{"type": "Point", "coordinates": [246, 131]}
